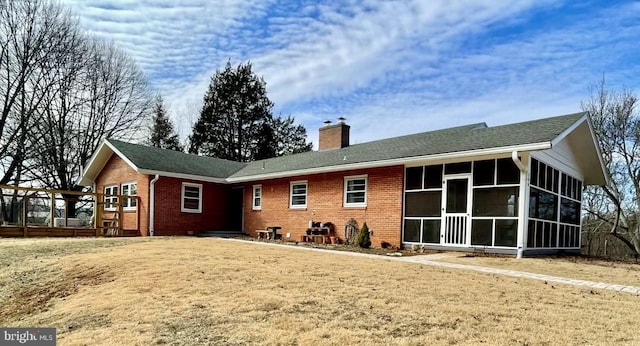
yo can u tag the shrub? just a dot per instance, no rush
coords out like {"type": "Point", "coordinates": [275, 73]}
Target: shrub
{"type": "Point", "coordinates": [364, 239]}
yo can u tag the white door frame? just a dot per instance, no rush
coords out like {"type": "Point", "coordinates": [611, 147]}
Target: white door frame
{"type": "Point", "coordinates": [444, 231]}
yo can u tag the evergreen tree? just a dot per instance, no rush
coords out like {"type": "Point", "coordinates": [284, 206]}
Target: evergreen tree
{"type": "Point", "coordinates": [236, 122]}
{"type": "Point", "coordinates": [162, 132]}
{"type": "Point", "coordinates": [364, 237]}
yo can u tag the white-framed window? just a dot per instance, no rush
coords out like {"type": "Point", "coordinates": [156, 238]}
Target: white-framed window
{"type": "Point", "coordinates": [110, 202]}
{"type": "Point", "coordinates": [129, 189]}
{"type": "Point", "coordinates": [191, 198]}
{"type": "Point", "coordinates": [355, 191]}
{"type": "Point", "coordinates": [257, 197]}
{"type": "Point", "coordinates": [298, 194]}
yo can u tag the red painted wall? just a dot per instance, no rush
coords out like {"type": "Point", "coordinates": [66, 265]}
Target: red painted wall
{"type": "Point", "coordinates": [383, 213]}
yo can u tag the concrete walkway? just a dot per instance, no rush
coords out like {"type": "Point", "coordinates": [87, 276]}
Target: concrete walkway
{"type": "Point", "coordinates": [427, 260]}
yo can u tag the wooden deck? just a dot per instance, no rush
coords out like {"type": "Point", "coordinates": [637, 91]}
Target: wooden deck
{"type": "Point", "coordinates": [46, 231]}
{"type": "Point", "coordinates": [104, 214]}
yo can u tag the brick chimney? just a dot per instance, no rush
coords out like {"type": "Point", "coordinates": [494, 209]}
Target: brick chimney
{"type": "Point", "coordinates": [334, 136]}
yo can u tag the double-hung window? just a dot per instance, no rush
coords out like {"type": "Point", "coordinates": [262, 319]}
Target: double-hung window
{"type": "Point", "coordinates": [355, 191]}
{"type": "Point", "coordinates": [257, 197]}
{"type": "Point", "coordinates": [110, 201]}
{"type": "Point", "coordinates": [298, 194]}
{"type": "Point", "coordinates": [129, 189]}
{"type": "Point", "coordinates": [191, 198]}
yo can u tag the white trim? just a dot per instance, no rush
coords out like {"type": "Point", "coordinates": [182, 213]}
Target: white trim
{"type": "Point", "coordinates": [200, 198]}
{"type": "Point", "coordinates": [568, 130]}
{"type": "Point", "coordinates": [603, 167]}
{"type": "Point", "coordinates": [183, 176]}
{"type": "Point", "coordinates": [253, 197]}
{"type": "Point", "coordinates": [152, 204]}
{"type": "Point", "coordinates": [306, 194]}
{"type": "Point", "coordinates": [125, 201]}
{"type": "Point", "coordinates": [400, 161]}
{"type": "Point", "coordinates": [345, 192]}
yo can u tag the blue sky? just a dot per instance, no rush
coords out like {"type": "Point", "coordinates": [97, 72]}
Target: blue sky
{"type": "Point", "coordinates": [389, 67]}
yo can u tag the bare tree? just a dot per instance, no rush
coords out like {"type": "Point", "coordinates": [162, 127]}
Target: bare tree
{"type": "Point", "coordinates": [616, 123]}
{"type": "Point", "coordinates": [61, 93]}
{"type": "Point", "coordinates": [30, 33]}
{"type": "Point", "coordinates": [102, 94]}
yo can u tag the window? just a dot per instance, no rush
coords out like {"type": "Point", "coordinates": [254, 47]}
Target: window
{"type": "Point", "coordinates": [458, 167]}
{"type": "Point", "coordinates": [543, 205]}
{"type": "Point", "coordinates": [355, 191]}
{"type": "Point", "coordinates": [501, 201]}
{"type": "Point", "coordinates": [427, 203]}
{"type": "Point", "coordinates": [110, 201]}
{"type": "Point", "coordinates": [554, 208]}
{"type": "Point", "coordinates": [414, 178]}
{"type": "Point", "coordinates": [298, 197]}
{"type": "Point", "coordinates": [484, 172]}
{"type": "Point", "coordinates": [191, 198]}
{"type": "Point", "coordinates": [129, 189]}
{"type": "Point", "coordinates": [507, 172]}
{"type": "Point", "coordinates": [433, 177]}
{"type": "Point", "coordinates": [257, 197]}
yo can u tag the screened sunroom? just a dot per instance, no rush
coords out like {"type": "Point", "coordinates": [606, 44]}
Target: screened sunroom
{"type": "Point", "coordinates": [492, 205]}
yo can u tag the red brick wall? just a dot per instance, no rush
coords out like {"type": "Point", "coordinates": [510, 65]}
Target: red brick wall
{"type": "Point", "coordinates": [383, 213]}
{"type": "Point", "coordinates": [115, 172]}
{"type": "Point", "coordinates": [170, 220]}
{"type": "Point", "coordinates": [333, 136]}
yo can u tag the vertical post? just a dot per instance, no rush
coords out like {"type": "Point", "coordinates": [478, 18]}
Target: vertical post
{"type": "Point", "coordinates": [523, 200]}
{"type": "Point", "coordinates": [52, 208]}
{"type": "Point", "coordinates": [66, 220]}
{"type": "Point", "coordinates": [137, 214]}
{"type": "Point", "coordinates": [25, 204]}
{"type": "Point", "coordinates": [97, 212]}
{"type": "Point", "coordinates": [119, 219]}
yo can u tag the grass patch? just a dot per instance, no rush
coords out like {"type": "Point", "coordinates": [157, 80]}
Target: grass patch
{"type": "Point", "coordinates": [185, 291]}
{"type": "Point", "coordinates": [575, 267]}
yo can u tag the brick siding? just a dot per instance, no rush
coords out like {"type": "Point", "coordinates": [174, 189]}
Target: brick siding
{"type": "Point", "coordinates": [116, 172]}
{"type": "Point", "coordinates": [325, 194]}
{"type": "Point", "coordinates": [170, 220]}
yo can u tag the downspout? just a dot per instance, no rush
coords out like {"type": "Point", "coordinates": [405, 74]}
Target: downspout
{"type": "Point", "coordinates": [523, 183]}
{"type": "Point", "coordinates": [152, 204]}
{"type": "Point", "coordinates": [95, 206]}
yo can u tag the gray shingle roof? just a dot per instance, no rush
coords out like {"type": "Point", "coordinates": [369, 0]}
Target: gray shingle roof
{"type": "Point", "coordinates": [457, 139]}
{"type": "Point", "coordinates": [451, 140]}
{"type": "Point", "coordinates": [156, 159]}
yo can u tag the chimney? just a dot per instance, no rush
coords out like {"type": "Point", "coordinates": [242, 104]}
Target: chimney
{"type": "Point", "coordinates": [334, 136]}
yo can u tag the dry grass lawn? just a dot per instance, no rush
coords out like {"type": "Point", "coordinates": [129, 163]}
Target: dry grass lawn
{"type": "Point", "coordinates": [190, 291]}
{"type": "Point", "coordinates": [571, 267]}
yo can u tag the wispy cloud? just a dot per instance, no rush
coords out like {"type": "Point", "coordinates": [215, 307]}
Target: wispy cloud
{"type": "Point", "coordinates": [390, 67]}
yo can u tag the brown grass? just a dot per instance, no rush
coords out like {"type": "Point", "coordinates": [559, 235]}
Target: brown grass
{"type": "Point", "coordinates": [188, 291]}
{"type": "Point", "coordinates": [572, 267]}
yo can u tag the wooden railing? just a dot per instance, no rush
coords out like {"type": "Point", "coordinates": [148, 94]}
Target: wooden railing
{"type": "Point", "coordinates": [37, 212]}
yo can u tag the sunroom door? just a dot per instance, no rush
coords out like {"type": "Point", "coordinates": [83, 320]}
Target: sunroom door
{"type": "Point", "coordinates": [456, 210]}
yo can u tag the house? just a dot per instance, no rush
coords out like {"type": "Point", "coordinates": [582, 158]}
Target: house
{"type": "Point", "coordinates": [508, 189]}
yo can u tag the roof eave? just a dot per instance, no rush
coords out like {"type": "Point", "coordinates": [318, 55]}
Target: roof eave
{"type": "Point", "coordinates": [183, 176]}
{"type": "Point", "coordinates": [392, 162]}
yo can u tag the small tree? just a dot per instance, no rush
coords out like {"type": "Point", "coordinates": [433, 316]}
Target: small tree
{"type": "Point", "coordinates": [364, 238]}
{"type": "Point", "coordinates": [162, 133]}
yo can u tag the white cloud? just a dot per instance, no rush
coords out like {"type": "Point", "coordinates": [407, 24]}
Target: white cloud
{"type": "Point", "coordinates": [390, 67]}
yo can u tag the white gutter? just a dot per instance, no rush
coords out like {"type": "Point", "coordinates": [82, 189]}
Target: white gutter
{"type": "Point", "coordinates": [521, 203]}
{"type": "Point", "coordinates": [390, 162]}
{"type": "Point", "coordinates": [152, 203]}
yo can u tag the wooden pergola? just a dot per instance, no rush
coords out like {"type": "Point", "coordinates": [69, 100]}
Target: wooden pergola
{"type": "Point", "coordinates": [37, 212]}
